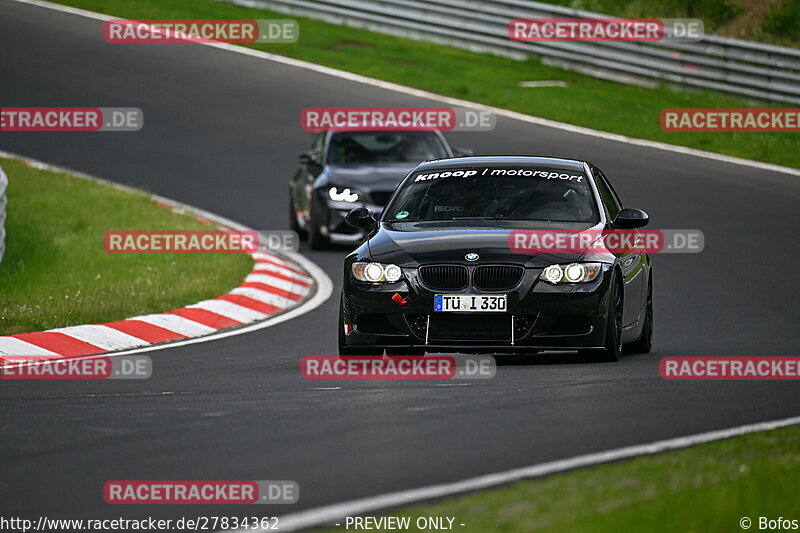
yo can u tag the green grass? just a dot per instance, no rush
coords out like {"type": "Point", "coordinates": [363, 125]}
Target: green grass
{"type": "Point", "coordinates": [784, 21]}
{"type": "Point", "coordinates": [56, 272]}
{"type": "Point", "coordinates": [702, 489]}
{"type": "Point", "coordinates": [587, 101]}
{"type": "Point", "coordinates": [769, 21]}
{"type": "Point", "coordinates": [713, 12]}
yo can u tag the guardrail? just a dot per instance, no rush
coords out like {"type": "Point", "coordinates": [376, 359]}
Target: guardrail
{"type": "Point", "coordinates": [3, 204]}
{"type": "Point", "coordinates": [735, 66]}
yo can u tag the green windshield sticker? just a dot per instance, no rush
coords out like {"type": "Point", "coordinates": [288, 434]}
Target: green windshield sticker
{"type": "Point", "coordinates": [401, 214]}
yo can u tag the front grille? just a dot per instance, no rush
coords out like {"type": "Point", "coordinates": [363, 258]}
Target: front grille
{"type": "Point", "coordinates": [381, 197]}
{"type": "Point", "coordinates": [444, 277]}
{"type": "Point", "coordinates": [497, 277]}
{"type": "Point", "coordinates": [470, 326]}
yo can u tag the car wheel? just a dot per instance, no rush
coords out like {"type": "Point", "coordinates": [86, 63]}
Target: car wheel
{"type": "Point", "coordinates": [613, 343]}
{"type": "Point", "coordinates": [645, 341]}
{"type": "Point", "coordinates": [350, 352]}
{"type": "Point", "coordinates": [316, 240]}
{"type": "Point", "coordinates": [293, 224]}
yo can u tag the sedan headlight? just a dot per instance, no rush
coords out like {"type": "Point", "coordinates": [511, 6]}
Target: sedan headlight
{"type": "Point", "coordinates": [376, 272]}
{"type": "Point", "coordinates": [571, 273]}
{"type": "Point", "coordinates": [345, 195]}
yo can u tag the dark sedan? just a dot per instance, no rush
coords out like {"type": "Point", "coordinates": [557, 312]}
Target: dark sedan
{"type": "Point", "coordinates": [348, 169]}
{"type": "Point", "coordinates": [438, 273]}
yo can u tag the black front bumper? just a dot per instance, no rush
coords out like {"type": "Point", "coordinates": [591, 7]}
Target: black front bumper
{"type": "Point", "coordinates": [539, 316]}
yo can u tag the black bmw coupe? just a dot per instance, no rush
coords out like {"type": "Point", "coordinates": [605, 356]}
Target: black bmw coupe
{"type": "Point", "coordinates": [439, 272]}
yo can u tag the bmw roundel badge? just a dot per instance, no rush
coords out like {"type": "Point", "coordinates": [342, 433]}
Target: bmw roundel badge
{"type": "Point", "coordinates": [472, 256]}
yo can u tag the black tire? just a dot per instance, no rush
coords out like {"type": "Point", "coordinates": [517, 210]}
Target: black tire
{"type": "Point", "coordinates": [350, 352]}
{"type": "Point", "coordinates": [316, 240]}
{"type": "Point", "coordinates": [293, 224]}
{"type": "Point", "coordinates": [645, 341]}
{"type": "Point", "coordinates": [614, 332]}
{"type": "Point", "coordinates": [613, 342]}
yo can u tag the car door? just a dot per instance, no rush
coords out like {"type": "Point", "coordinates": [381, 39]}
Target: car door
{"type": "Point", "coordinates": [633, 266]}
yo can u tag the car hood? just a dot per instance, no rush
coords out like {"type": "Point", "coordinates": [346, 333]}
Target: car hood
{"type": "Point", "coordinates": [415, 243]}
{"type": "Point", "coordinates": [368, 177]}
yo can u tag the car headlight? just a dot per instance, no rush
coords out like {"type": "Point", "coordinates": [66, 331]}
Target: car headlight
{"type": "Point", "coordinates": [376, 272]}
{"type": "Point", "coordinates": [571, 273]}
{"type": "Point", "coordinates": [345, 195]}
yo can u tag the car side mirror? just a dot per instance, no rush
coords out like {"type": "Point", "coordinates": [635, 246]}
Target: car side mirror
{"type": "Point", "coordinates": [460, 151]}
{"type": "Point", "coordinates": [309, 157]}
{"type": "Point", "coordinates": [361, 217]}
{"type": "Point", "coordinates": [630, 218]}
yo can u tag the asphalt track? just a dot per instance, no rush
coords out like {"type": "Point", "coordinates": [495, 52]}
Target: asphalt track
{"type": "Point", "coordinates": [221, 132]}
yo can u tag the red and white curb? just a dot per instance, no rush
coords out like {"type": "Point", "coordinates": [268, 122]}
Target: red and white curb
{"type": "Point", "coordinates": [278, 288]}
{"type": "Point", "coordinates": [273, 286]}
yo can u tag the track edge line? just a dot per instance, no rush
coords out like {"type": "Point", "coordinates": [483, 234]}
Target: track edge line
{"type": "Point", "coordinates": [329, 513]}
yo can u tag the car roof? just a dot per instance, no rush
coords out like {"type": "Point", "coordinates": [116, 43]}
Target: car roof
{"type": "Point", "coordinates": [502, 160]}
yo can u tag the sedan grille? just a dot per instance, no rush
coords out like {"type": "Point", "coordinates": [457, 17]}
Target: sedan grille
{"type": "Point", "coordinates": [497, 277]}
{"type": "Point", "coordinates": [444, 277]}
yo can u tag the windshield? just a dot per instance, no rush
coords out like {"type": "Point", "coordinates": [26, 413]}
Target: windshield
{"type": "Point", "coordinates": [519, 193]}
{"type": "Point", "coordinates": [384, 147]}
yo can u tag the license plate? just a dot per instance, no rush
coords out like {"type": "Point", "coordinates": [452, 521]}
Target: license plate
{"type": "Point", "coordinates": [476, 303]}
